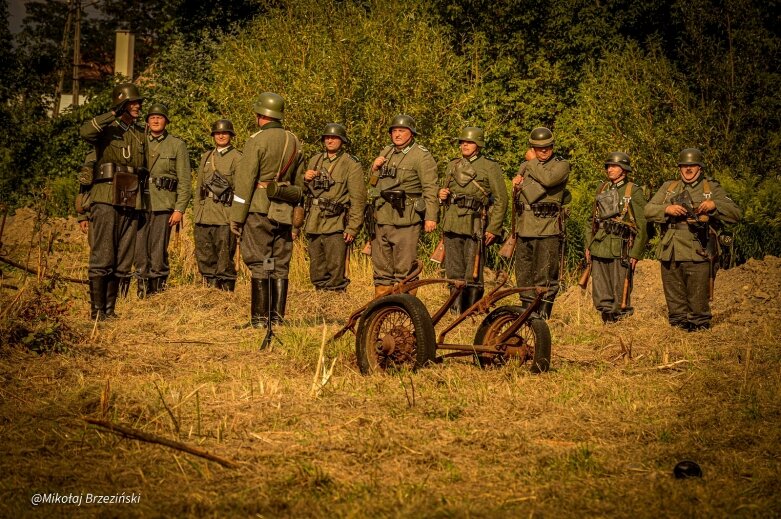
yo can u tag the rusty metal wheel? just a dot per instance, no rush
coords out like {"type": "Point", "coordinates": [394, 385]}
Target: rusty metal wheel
{"type": "Point", "coordinates": [532, 341]}
{"type": "Point", "coordinates": [394, 331]}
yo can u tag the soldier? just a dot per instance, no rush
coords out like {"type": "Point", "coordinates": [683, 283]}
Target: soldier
{"type": "Point", "coordinates": [540, 188]}
{"type": "Point", "coordinates": [474, 200]}
{"type": "Point", "coordinates": [336, 197]}
{"type": "Point", "coordinates": [215, 244]}
{"type": "Point", "coordinates": [617, 239]}
{"type": "Point", "coordinates": [268, 184]}
{"type": "Point", "coordinates": [167, 193]}
{"type": "Point", "coordinates": [119, 171]}
{"type": "Point", "coordinates": [403, 182]}
{"type": "Point", "coordinates": [691, 211]}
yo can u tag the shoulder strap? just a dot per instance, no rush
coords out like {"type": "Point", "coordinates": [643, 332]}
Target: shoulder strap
{"type": "Point", "coordinates": [284, 169]}
{"type": "Point", "coordinates": [673, 186]}
{"type": "Point", "coordinates": [706, 191]}
{"type": "Point", "coordinates": [628, 203]}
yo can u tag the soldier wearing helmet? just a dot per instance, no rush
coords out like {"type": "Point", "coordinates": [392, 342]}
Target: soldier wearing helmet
{"type": "Point", "coordinates": [474, 202]}
{"type": "Point", "coordinates": [167, 194]}
{"type": "Point", "coordinates": [616, 240]}
{"type": "Point", "coordinates": [215, 244]}
{"type": "Point", "coordinates": [119, 172]}
{"type": "Point", "coordinates": [268, 186]}
{"type": "Point", "coordinates": [691, 210]}
{"type": "Point", "coordinates": [539, 192]}
{"type": "Point", "coordinates": [403, 189]}
{"type": "Point", "coordinates": [335, 200]}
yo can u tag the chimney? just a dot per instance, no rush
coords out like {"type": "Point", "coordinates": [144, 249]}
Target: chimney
{"type": "Point", "coordinates": [123, 57]}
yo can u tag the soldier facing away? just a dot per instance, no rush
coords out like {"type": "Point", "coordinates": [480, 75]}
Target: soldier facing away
{"type": "Point", "coordinates": [166, 196]}
{"type": "Point", "coordinates": [616, 239]}
{"type": "Point", "coordinates": [403, 186]}
{"type": "Point", "coordinates": [540, 189]}
{"type": "Point", "coordinates": [269, 179]}
{"type": "Point", "coordinates": [691, 211]}
{"type": "Point", "coordinates": [215, 244]}
{"type": "Point", "coordinates": [119, 171]}
{"type": "Point", "coordinates": [335, 199]}
{"type": "Point", "coordinates": [474, 201]}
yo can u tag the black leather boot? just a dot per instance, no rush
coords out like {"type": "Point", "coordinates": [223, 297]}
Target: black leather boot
{"type": "Point", "coordinates": [159, 284]}
{"type": "Point", "coordinates": [471, 295]}
{"type": "Point", "coordinates": [124, 287]}
{"type": "Point", "coordinates": [211, 282]}
{"type": "Point", "coordinates": [546, 307]}
{"type": "Point", "coordinates": [143, 288]}
{"type": "Point", "coordinates": [278, 299]}
{"type": "Point", "coordinates": [456, 307]}
{"type": "Point", "coordinates": [97, 298]}
{"type": "Point", "coordinates": [229, 285]}
{"type": "Point", "coordinates": [112, 290]}
{"type": "Point", "coordinates": [259, 302]}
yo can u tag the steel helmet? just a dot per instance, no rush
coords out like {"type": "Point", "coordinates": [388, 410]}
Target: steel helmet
{"type": "Point", "coordinates": [618, 158]}
{"type": "Point", "coordinates": [403, 121]}
{"type": "Point", "coordinates": [541, 137]}
{"type": "Point", "coordinates": [336, 130]}
{"type": "Point", "coordinates": [270, 104]}
{"type": "Point", "coordinates": [124, 92]}
{"type": "Point", "coordinates": [223, 125]}
{"type": "Point", "coordinates": [158, 109]}
{"type": "Point", "coordinates": [689, 157]}
{"type": "Point", "coordinates": [473, 134]}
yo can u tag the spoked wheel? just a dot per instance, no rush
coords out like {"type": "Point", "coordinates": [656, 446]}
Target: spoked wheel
{"type": "Point", "coordinates": [532, 341]}
{"type": "Point", "coordinates": [395, 331]}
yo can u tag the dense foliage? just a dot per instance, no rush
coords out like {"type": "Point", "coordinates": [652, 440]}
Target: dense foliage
{"type": "Point", "coordinates": [648, 78]}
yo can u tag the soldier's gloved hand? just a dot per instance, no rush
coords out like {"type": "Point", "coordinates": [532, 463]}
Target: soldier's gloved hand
{"type": "Point", "coordinates": [236, 228]}
{"type": "Point", "coordinates": [120, 109]}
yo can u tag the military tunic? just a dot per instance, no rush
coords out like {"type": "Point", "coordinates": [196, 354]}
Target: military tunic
{"type": "Point", "coordinates": [215, 245]}
{"type": "Point", "coordinates": [538, 225]}
{"type": "Point", "coordinates": [112, 228]}
{"type": "Point", "coordinates": [685, 267]}
{"type": "Point", "coordinates": [476, 186]}
{"type": "Point", "coordinates": [169, 188]}
{"type": "Point", "coordinates": [335, 203]}
{"type": "Point", "coordinates": [394, 248]}
{"type": "Point", "coordinates": [610, 248]}
{"type": "Point", "coordinates": [267, 227]}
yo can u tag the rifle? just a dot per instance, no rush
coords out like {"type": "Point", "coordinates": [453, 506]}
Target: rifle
{"type": "Point", "coordinates": [508, 247]}
{"type": "Point", "coordinates": [479, 245]}
{"type": "Point", "coordinates": [627, 283]}
{"type": "Point", "coordinates": [371, 227]}
{"type": "Point", "coordinates": [583, 282]}
{"type": "Point", "coordinates": [438, 256]}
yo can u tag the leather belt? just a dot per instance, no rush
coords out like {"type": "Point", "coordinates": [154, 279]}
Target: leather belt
{"type": "Point", "coordinates": [107, 170]}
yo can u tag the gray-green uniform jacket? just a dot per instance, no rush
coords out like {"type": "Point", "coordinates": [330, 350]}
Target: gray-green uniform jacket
{"type": "Point", "coordinates": [206, 210]}
{"type": "Point", "coordinates": [552, 175]}
{"type": "Point", "coordinates": [114, 143]}
{"type": "Point", "coordinates": [477, 178]}
{"type": "Point", "coordinates": [265, 154]}
{"type": "Point", "coordinates": [604, 244]}
{"type": "Point", "coordinates": [678, 242]}
{"type": "Point", "coordinates": [348, 189]}
{"type": "Point", "coordinates": [416, 175]}
{"type": "Point", "coordinates": [167, 158]}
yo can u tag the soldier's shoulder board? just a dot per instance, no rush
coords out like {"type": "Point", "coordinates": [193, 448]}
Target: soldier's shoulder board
{"type": "Point", "coordinates": [353, 158]}
{"type": "Point", "coordinates": [256, 133]}
{"type": "Point", "coordinates": [423, 148]}
{"type": "Point", "coordinates": [489, 158]}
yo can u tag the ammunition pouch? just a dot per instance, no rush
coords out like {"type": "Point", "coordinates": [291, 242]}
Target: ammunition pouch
{"type": "Point", "coordinates": [386, 172]}
{"type": "Point", "coordinates": [396, 198]}
{"type": "Point", "coordinates": [466, 202]}
{"type": "Point", "coordinates": [126, 187]}
{"type": "Point", "coordinates": [284, 192]}
{"type": "Point", "coordinates": [165, 183]}
{"type": "Point", "coordinates": [617, 228]}
{"type": "Point", "coordinates": [219, 189]}
{"type": "Point", "coordinates": [531, 190]}
{"type": "Point", "coordinates": [330, 208]}
{"type": "Point", "coordinates": [608, 204]}
{"type": "Point", "coordinates": [546, 209]}
{"type": "Point", "coordinates": [107, 171]}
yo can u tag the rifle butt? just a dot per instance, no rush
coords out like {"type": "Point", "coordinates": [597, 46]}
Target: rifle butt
{"type": "Point", "coordinates": [438, 256]}
{"type": "Point", "coordinates": [508, 247]}
{"type": "Point", "coordinates": [583, 281]}
{"type": "Point", "coordinates": [367, 249]}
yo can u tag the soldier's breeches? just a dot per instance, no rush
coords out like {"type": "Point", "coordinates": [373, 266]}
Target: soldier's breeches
{"type": "Point", "coordinates": [112, 237]}
{"type": "Point", "coordinates": [263, 240]}
{"type": "Point", "coordinates": [326, 261]}
{"type": "Point", "coordinates": [394, 250]}
{"type": "Point", "coordinates": [460, 250]}
{"type": "Point", "coordinates": [537, 265]}
{"type": "Point", "coordinates": [151, 255]}
{"type": "Point", "coordinates": [607, 285]}
{"type": "Point", "coordinates": [686, 292]}
{"type": "Point", "coordinates": [215, 250]}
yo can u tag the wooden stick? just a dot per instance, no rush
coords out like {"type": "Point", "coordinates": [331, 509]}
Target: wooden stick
{"type": "Point", "coordinates": [31, 271]}
{"type": "Point", "coordinates": [135, 434]}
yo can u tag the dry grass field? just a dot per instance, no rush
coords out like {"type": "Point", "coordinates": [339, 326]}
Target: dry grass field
{"type": "Point", "coordinates": [599, 435]}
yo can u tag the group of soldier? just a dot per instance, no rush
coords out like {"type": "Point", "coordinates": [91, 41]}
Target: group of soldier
{"type": "Point", "coordinates": [137, 185]}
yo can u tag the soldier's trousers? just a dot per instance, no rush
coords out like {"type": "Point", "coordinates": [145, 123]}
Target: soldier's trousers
{"type": "Point", "coordinates": [394, 251]}
{"type": "Point", "coordinates": [686, 292]}
{"type": "Point", "coordinates": [151, 254]}
{"type": "Point", "coordinates": [215, 250]}
{"type": "Point", "coordinates": [460, 251]}
{"type": "Point", "coordinates": [266, 247]}
{"type": "Point", "coordinates": [112, 237]}
{"type": "Point", "coordinates": [607, 286]}
{"type": "Point", "coordinates": [537, 264]}
{"type": "Point", "coordinates": [327, 255]}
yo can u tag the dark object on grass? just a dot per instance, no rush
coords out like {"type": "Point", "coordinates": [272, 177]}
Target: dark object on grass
{"type": "Point", "coordinates": [687, 469]}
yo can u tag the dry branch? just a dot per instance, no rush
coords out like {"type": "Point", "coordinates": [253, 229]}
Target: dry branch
{"type": "Point", "coordinates": [39, 274]}
{"type": "Point", "coordinates": [129, 432]}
